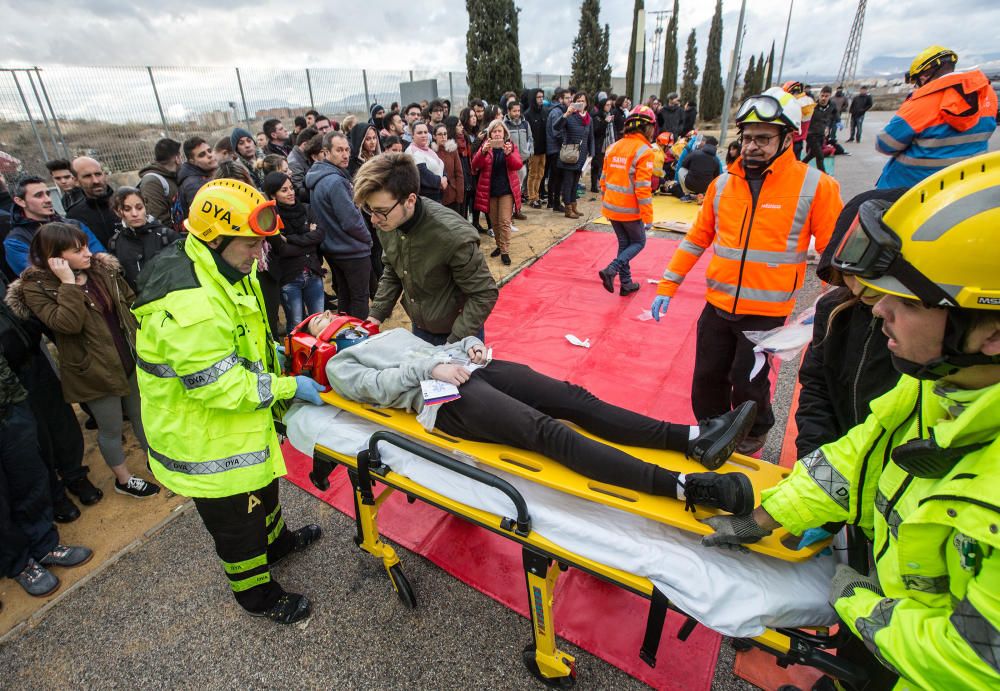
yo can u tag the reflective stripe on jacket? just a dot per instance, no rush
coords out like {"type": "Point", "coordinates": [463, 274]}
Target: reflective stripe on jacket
{"type": "Point", "coordinates": [943, 122]}
{"type": "Point", "coordinates": [208, 374]}
{"type": "Point", "coordinates": [760, 247]}
{"type": "Point", "coordinates": [936, 541]}
{"type": "Point", "coordinates": [626, 180]}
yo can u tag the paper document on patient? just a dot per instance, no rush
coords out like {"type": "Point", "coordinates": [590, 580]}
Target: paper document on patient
{"type": "Point", "coordinates": [437, 392]}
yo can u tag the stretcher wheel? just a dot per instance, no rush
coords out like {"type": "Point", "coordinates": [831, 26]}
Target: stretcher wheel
{"type": "Point", "coordinates": [740, 645]}
{"type": "Point", "coordinates": [528, 658]}
{"type": "Point", "coordinates": [402, 586]}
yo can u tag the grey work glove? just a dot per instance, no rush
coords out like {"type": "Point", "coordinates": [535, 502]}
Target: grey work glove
{"type": "Point", "coordinates": [846, 580]}
{"type": "Point", "coordinates": [732, 531]}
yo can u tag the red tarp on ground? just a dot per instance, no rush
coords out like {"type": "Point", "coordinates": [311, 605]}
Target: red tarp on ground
{"type": "Point", "coordinates": [642, 365]}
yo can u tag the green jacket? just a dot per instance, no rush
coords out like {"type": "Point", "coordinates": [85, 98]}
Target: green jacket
{"type": "Point", "coordinates": [209, 376]}
{"type": "Point", "coordinates": [436, 265]}
{"type": "Point", "coordinates": [936, 540]}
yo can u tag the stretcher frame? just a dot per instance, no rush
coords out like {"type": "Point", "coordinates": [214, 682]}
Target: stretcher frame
{"type": "Point", "coordinates": [542, 561]}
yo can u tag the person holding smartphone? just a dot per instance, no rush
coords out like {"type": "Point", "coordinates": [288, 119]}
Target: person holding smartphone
{"type": "Point", "coordinates": [575, 129]}
{"type": "Point", "coordinates": [498, 191]}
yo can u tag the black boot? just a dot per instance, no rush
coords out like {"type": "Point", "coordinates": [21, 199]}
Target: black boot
{"type": "Point", "coordinates": [628, 288]}
{"type": "Point", "coordinates": [290, 608]}
{"type": "Point", "coordinates": [304, 536]}
{"type": "Point", "coordinates": [731, 492]}
{"type": "Point", "coordinates": [64, 510]}
{"type": "Point", "coordinates": [719, 436]}
{"type": "Point", "coordinates": [608, 278]}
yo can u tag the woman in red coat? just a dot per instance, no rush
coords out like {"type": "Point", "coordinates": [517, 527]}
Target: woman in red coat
{"type": "Point", "coordinates": [498, 191]}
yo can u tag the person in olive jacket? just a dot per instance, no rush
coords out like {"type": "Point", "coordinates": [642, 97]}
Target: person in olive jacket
{"type": "Point", "coordinates": [432, 256]}
{"type": "Point", "coordinates": [848, 363]}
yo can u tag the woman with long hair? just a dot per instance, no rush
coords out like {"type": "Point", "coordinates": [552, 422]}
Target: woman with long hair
{"type": "Point", "coordinates": [456, 132]}
{"type": "Point", "coordinates": [447, 150]}
{"type": "Point", "coordinates": [365, 144]}
{"type": "Point", "coordinates": [138, 237]}
{"type": "Point", "coordinates": [432, 178]}
{"type": "Point", "coordinates": [474, 134]}
{"type": "Point", "coordinates": [84, 300]}
{"type": "Point", "coordinates": [498, 191]}
{"type": "Point", "coordinates": [574, 129]}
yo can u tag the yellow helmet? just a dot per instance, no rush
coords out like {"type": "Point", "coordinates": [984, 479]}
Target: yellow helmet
{"type": "Point", "coordinates": [939, 242]}
{"type": "Point", "coordinates": [233, 208]}
{"type": "Point", "coordinates": [929, 58]}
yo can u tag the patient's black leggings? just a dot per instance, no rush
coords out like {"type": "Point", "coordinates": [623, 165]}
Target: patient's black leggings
{"type": "Point", "coordinates": [509, 403]}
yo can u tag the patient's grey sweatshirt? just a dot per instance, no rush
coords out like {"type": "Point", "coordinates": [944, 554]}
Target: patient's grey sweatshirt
{"type": "Point", "coordinates": [386, 369]}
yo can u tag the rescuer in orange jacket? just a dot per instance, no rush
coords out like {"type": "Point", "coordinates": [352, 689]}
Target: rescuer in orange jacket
{"type": "Point", "coordinates": [758, 217]}
{"type": "Point", "coordinates": [626, 182]}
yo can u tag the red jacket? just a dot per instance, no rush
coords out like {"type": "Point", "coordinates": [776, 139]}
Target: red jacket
{"type": "Point", "coordinates": [482, 165]}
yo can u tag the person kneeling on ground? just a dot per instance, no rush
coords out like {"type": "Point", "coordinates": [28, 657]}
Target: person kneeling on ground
{"type": "Point", "coordinates": [509, 403]}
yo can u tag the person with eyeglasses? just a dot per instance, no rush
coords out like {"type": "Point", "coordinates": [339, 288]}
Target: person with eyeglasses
{"type": "Point", "coordinates": [212, 386]}
{"type": "Point", "coordinates": [759, 217]}
{"type": "Point", "coordinates": [433, 263]}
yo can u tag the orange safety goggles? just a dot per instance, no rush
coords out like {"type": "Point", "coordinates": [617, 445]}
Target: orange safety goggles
{"type": "Point", "coordinates": [264, 220]}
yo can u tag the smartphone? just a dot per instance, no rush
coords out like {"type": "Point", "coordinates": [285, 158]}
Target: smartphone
{"type": "Point", "coordinates": [496, 144]}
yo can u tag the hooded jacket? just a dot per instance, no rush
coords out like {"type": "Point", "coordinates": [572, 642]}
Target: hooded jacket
{"type": "Point", "coordinates": [574, 130]}
{"type": "Point", "coordinates": [23, 229]}
{"type": "Point", "coordinates": [89, 363]}
{"type": "Point", "coordinates": [159, 199]}
{"type": "Point", "coordinates": [301, 239]}
{"type": "Point", "coordinates": [331, 197]}
{"type": "Point", "coordinates": [520, 134]}
{"type": "Point", "coordinates": [703, 166]}
{"type": "Point", "coordinates": [135, 247]}
{"type": "Point", "coordinates": [190, 178]}
{"type": "Point", "coordinates": [943, 122]}
{"type": "Point", "coordinates": [536, 115]}
{"type": "Point", "coordinates": [671, 119]}
{"type": "Point", "coordinates": [356, 138]}
{"type": "Point", "coordinates": [453, 170]}
{"type": "Point", "coordinates": [552, 138]}
{"type": "Point", "coordinates": [209, 376]}
{"type": "Point", "coordinates": [298, 165]}
{"type": "Point", "coordinates": [96, 214]}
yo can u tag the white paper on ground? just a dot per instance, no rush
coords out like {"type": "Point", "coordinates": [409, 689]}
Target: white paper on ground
{"type": "Point", "coordinates": [577, 342]}
{"type": "Point", "coordinates": [652, 280]}
{"type": "Point", "coordinates": [735, 594]}
{"type": "Point", "coordinates": [644, 316]}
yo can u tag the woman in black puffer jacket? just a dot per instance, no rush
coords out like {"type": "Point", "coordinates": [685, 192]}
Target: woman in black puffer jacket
{"type": "Point", "coordinates": [301, 266]}
{"type": "Point", "coordinates": [848, 364]}
{"type": "Point", "coordinates": [139, 237]}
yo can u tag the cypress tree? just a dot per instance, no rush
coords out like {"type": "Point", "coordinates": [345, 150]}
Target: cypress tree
{"type": "Point", "coordinates": [668, 82]}
{"type": "Point", "coordinates": [749, 80]}
{"type": "Point", "coordinates": [712, 90]}
{"type": "Point", "coordinates": [758, 77]}
{"type": "Point", "coordinates": [591, 71]}
{"type": "Point", "coordinates": [630, 70]}
{"type": "Point", "coordinates": [769, 77]}
{"type": "Point", "coordinates": [492, 53]}
{"type": "Point", "coordinates": [689, 87]}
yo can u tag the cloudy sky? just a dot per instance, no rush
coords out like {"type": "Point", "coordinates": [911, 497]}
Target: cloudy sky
{"type": "Point", "coordinates": [431, 34]}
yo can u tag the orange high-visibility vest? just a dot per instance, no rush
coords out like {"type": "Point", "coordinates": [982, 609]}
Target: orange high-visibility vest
{"type": "Point", "coordinates": [760, 249]}
{"type": "Point", "coordinates": [626, 180]}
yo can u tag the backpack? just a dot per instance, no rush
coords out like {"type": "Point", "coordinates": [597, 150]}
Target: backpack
{"type": "Point", "coordinates": [176, 208]}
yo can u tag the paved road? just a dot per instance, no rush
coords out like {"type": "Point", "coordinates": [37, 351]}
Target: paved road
{"type": "Point", "coordinates": [161, 616]}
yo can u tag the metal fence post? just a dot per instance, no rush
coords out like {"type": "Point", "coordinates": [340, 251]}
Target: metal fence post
{"type": "Point", "coordinates": [243, 98]}
{"type": "Point", "coordinates": [27, 111]}
{"type": "Point", "coordinates": [45, 117]}
{"type": "Point", "coordinates": [312, 102]}
{"type": "Point", "coordinates": [159, 106]}
{"type": "Point", "coordinates": [451, 89]}
{"type": "Point", "coordinates": [52, 112]}
{"type": "Point", "coordinates": [364, 78]}
{"type": "Point", "coordinates": [411, 75]}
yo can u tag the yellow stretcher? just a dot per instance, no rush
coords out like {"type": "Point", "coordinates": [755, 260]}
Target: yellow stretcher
{"type": "Point", "coordinates": [542, 559]}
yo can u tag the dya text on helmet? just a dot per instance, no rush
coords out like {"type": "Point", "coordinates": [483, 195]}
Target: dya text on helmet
{"type": "Point", "coordinates": [218, 212]}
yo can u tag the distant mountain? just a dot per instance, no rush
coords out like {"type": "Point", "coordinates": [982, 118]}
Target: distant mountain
{"type": "Point", "coordinates": [895, 65]}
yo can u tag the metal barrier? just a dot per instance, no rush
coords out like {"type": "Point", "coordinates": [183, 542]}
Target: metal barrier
{"type": "Point", "coordinates": [116, 114]}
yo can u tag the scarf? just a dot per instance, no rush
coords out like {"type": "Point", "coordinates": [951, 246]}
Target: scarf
{"type": "Point", "coordinates": [294, 217]}
{"type": "Point", "coordinates": [426, 156]}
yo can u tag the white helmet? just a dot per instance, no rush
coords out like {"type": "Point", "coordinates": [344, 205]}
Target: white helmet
{"type": "Point", "coordinates": [773, 107]}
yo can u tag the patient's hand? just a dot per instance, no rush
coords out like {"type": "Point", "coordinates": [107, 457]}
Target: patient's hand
{"type": "Point", "coordinates": [477, 354]}
{"type": "Point", "coordinates": [453, 374]}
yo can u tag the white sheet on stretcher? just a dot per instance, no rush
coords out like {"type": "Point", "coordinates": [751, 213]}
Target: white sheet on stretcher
{"type": "Point", "coordinates": [735, 594]}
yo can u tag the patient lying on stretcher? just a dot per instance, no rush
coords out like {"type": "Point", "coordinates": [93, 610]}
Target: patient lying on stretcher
{"type": "Point", "coordinates": [508, 403]}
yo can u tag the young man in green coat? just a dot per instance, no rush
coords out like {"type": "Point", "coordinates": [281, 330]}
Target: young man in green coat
{"type": "Point", "coordinates": [920, 476]}
{"type": "Point", "coordinates": [211, 386]}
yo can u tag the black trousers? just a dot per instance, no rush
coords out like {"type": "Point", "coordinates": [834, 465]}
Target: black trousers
{"type": "Point", "coordinates": [270, 289]}
{"type": "Point", "coordinates": [352, 279]}
{"type": "Point", "coordinates": [722, 364]}
{"type": "Point", "coordinates": [554, 179]}
{"type": "Point", "coordinates": [60, 440]}
{"type": "Point", "coordinates": [570, 179]}
{"type": "Point", "coordinates": [250, 534]}
{"type": "Point", "coordinates": [596, 168]}
{"type": "Point", "coordinates": [814, 149]}
{"type": "Point", "coordinates": [509, 403]}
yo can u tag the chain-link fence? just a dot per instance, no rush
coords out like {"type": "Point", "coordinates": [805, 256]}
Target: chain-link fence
{"type": "Point", "coordinates": [116, 114]}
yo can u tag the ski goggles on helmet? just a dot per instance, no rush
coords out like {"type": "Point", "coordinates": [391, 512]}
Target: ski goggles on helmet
{"type": "Point", "coordinates": [264, 219]}
{"type": "Point", "coordinates": [767, 109]}
{"type": "Point", "coordinates": [872, 251]}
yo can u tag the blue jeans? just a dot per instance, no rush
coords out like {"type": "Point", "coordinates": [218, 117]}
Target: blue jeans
{"type": "Point", "coordinates": [442, 339]}
{"type": "Point", "coordinates": [631, 240]}
{"type": "Point", "coordinates": [26, 527]}
{"type": "Point", "coordinates": [301, 297]}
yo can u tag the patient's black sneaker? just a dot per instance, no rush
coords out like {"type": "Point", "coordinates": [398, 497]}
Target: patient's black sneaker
{"type": "Point", "coordinates": [719, 436]}
{"type": "Point", "coordinates": [731, 492]}
{"type": "Point", "coordinates": [289, 609]}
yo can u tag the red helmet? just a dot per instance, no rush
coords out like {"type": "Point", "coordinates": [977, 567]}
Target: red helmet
{"type": "Point", "coordinates": [665, 139]}
{"type": "Point", "coordinates": [641, 114]}
{"type": "Point", "coordinates": [793, 87]}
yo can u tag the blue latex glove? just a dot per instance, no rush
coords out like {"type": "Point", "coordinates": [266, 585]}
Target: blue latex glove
{"type": "Point", "coordinates": [659, 307]}
{"type": "Point", "coordinates": [282, 360]}
{"type": "Point", "coordinates": [308, 390]}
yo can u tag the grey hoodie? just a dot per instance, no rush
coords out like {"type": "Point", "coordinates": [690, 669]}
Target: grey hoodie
{"type": "Point", "coordinates": [386, 369]}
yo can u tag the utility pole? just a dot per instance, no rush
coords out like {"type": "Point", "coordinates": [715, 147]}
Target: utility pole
{"type": "Point", "coordinates": [640, 57]}
{"type": "Point", "coordinates": [784, 45]}
{"type": "Point", "coordinates": [731, 77]}
{"type": "Point", "coordinates": [849, 65]}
